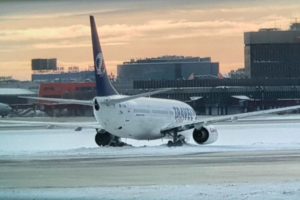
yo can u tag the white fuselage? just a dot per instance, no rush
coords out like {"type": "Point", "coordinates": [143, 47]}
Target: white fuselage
{"type": "Point", "coordinates": [141, 118]}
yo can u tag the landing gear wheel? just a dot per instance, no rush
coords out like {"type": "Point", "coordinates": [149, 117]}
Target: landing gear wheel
{"type": "Point", "coordinates": [178, 143]}
{"type": "Point", "coordinates": [170, 143]}
{"type": "Point", "coordinates": [116, 142]}
{"type": "Point", "coordinates": [178, 140]}
{"type": "Point", "coordinates": [103, 138]}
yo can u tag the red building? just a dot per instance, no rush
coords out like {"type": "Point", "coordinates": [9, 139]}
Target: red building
{"type": "Point", "coordinates": [83, 91]}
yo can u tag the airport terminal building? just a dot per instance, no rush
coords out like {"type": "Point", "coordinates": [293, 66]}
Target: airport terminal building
{"type": "Point", "coordinates": [273, 53]}
{"type": "Point", "coordinates": [167, 68]}
{"type": "Point", "coordinates": [228, 96]}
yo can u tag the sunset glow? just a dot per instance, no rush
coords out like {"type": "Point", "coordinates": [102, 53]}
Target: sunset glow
{"type": "Point", "coordinates": [132, 29]}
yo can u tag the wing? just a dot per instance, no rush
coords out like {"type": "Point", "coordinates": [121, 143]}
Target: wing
{"type": "Point", "coordinates": [61, 101]}
{"type": "Point", "coordinates": [90, 102]}
{"type": "Point", "coordinates": [146, 94]}
{"type": "Point", "coordinates": [77, 126]}
{"type": "Point", "coordinates": [212, 120]}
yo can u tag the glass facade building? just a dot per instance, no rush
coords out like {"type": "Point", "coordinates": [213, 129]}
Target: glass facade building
{"type": "Point", "coordinates": [167, 68]}
{"type": "Point", "coordinates": [273, 53]}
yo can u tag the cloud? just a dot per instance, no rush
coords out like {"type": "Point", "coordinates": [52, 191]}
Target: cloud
{"type": "Point", "coordinates": [78, 35]}
{"type": "Point", "coordinates": [121, 34]}
{"type": "Point", "coordinates": [60, 14]}
{"type": "Point", "coordinates": [17, 69]}
{"type": "Point", "coordinates": [5, 50]}
{"type": "Point", "coordinates": [243, 9]}
{"type": "Point", "coordinates": [34, 34]}
{"type": "Point", "coordinates": [213, 22]}
{"type": "Point", "coordinates": [70, 44]}
{"type": "Point", "coordinates": [174, 29]}
{"type": "Point", "coordinates": [60, 45]}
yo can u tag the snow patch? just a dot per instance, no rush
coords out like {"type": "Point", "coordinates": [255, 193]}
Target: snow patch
{"type": "Point", "coordinates": [67, 142]}
{"type": "Point", "coordinates": [266, 191]}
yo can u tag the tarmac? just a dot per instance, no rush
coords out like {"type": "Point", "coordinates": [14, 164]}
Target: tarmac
{"type": "Point", "coordinates": [252, 159]}
{"type": "Point", "coordinates": [189, 169]}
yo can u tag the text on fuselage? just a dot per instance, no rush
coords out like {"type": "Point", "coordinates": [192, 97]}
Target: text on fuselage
{"type": "Point", "coordinates": [183, 113]}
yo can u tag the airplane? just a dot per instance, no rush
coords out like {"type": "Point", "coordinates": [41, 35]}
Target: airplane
{"type": "Point", "coordinates": [4, 109]}
{"type": "Point", "coordinates": [139, 116]}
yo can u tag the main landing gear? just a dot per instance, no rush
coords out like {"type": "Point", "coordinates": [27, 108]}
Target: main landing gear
{"type": "Point", "coordinates": [178, 140]}
{"type": "Point", "coordinates": [103, 138]}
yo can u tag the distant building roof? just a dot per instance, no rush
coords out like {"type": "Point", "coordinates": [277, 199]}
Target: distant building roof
{"type": "Point", "coordinates": [166, 59]}
{"type": "Point", "coordinates": [274, 36]}
{"type": "Point", "coordinates": [15, 91]}
{"type": "Point", "coordinates": [295, 27]}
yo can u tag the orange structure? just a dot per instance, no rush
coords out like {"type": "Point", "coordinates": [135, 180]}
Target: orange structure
{"type": "Point", "coordinates": [60, 90]}
{"type": "Point", "coordinates": [67, 90]}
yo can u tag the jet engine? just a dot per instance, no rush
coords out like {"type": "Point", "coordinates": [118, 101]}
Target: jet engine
{"type": "Point", "coordinates": [205, 135]}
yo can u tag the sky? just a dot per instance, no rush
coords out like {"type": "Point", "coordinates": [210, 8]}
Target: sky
{"type": "Point", "coordinates": [132, 29]}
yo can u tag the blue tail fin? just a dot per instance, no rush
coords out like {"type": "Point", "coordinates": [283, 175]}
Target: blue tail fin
{"type": "Point", "coordinates": [103, 84]}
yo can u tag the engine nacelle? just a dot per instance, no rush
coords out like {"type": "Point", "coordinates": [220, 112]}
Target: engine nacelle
{"type": "Point", "coordinates": [205, 135]}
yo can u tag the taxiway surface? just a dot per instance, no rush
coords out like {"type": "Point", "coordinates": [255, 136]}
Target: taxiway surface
{"type": "Point", "coordinates": [251, 160]}
{"type": "Point", "coordinates": [186, 169]}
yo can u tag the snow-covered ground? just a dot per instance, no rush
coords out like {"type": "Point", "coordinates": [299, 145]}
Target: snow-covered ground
{"type": "Point", "coordinates": [55, 143]}
{"type": "Point", "coordinates": [286, 190]}
{"type": "Point", "coordinates": [232, 137]}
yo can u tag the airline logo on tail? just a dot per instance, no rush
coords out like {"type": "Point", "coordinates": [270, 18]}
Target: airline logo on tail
{"type": "Point", "coordinates": [100, 64]}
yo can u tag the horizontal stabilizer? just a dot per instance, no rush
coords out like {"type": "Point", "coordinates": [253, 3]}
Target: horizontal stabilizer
{"type": "Point", "coordinates": [61, 101]}
{"type": "Point", "coordinates": [146, 94]}
{"type": "Point", "coordinates": [192, 99]}
{"type": "Point", "coordinates": [77, 126]}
